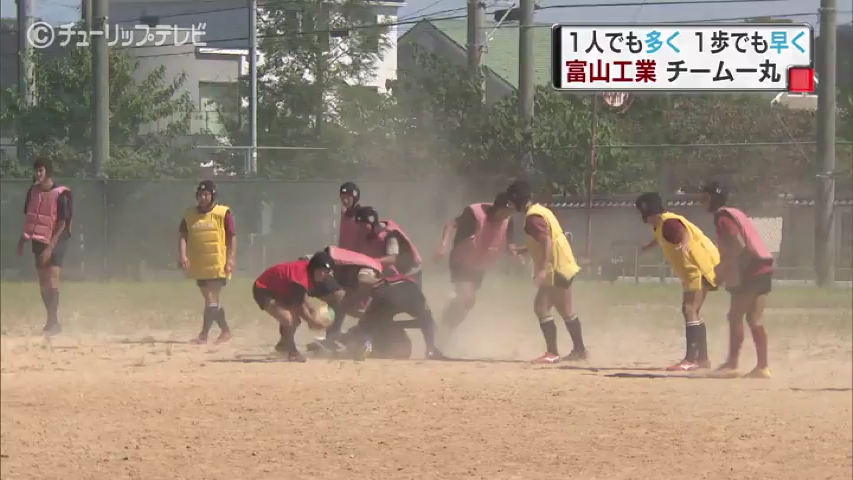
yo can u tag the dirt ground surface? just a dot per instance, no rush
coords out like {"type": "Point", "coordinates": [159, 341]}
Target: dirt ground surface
{"type": "Point", "coordinates": [138, 404]}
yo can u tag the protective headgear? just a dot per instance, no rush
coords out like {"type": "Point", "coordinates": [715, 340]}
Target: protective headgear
{"type": "Point", "coordinates": [650, 203]}
{"type": "Point", "coordinates": [321, 260]}
{"type": "Point", "coordinates": [502, 200]}
{"type": "Point", "coordinates": [206, 186]}
{"type": "Point", "coordinates": [367, 215]}
{"type": "Point", "coordinates": [519, 193]}
{"type": "Point", "coordinates": [719, 194]}
{"type": "Point", "coordinates": [350, 188]}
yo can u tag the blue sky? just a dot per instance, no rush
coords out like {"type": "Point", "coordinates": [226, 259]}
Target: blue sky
{"type": "Point", "coordinates": [61, 11]}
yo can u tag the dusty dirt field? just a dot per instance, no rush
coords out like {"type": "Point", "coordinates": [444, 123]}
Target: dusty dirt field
{"type": "Point", "coordinates": [105, 406]}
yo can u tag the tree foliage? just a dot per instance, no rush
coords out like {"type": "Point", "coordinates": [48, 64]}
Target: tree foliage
{"type": "Point", "coordinates": [149, 118]}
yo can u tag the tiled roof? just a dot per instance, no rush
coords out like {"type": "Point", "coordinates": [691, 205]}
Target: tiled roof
{"type": "Point", "coordinates": [502, 50]}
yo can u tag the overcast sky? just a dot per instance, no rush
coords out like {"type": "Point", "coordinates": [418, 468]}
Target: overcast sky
{"type": "Point", "coordinates": [62, 11]}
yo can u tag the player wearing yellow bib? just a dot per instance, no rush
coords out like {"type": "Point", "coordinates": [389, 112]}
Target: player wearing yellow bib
{"type": "Point", "coordinates": [206, 251]}
{"type": "Point", "coordinates": [692, 256]}
{"type": "Point", "coordinates": [554, 271]}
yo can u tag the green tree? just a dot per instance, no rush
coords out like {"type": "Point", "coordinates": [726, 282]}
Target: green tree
{"type": "Point", "coordinates": [59, 124]}
{"type": "Point", "coordinates": [315, 57]}
{"type": "Point", "coordinates": [769, 155]}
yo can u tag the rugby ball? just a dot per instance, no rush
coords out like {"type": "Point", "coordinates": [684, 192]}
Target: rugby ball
{"type": "Point", "coordinates": [325, 315]}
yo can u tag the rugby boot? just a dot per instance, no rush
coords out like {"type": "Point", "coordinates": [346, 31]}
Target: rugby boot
{"type": "Point", "coordinates": [547, 358]}
{"type": "Point", "coordinates": [576, 356]}
{"type": "Point", "coordinates": [296, 357]}
{"type": "Point", "coordinates": [759, 372]}
{"type": "Point", "coordinates": [726, 370]}
{"type": "Point", "coordinates": [683, 366]}
{"type": "Point", "coordinates": [435, 354]}
{"type": "Point", "coordinates": [224, 337]}
{"type": "Point", "coordinates": [51, 328]}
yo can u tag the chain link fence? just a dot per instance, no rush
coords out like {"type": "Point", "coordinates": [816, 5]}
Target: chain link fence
{"type": "Point", "coordinates": [128, 228]}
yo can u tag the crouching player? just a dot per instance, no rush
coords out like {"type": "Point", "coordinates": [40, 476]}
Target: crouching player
{"type": "Point", "coordinates": [332, 272]}
{"type": "Point", "coordinates": [282, 292]}
{"type": "Point", "coordinates": [555, 269]}
{"type": "Point", "coordinates": [693, 258]}
{"type": "Point", "coordinates": [746, 269]}
{"type": "Point", "coordinates": [480, 235]}
{"type": "Point", "coordinates": [385, 241]}
{"type": "Point", "coordinates": [354, 276]}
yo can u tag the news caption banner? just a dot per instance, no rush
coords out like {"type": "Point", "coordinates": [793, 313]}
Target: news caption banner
{"type": "Point", "coordinates": [41, 35]}
{"type": "Point", "coordinates": [740, 57]}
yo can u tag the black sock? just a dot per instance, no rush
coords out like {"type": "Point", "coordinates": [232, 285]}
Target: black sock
{"type": "Point", "coordinates": [427, 324]}
{"type": "Point", "coordinates": [220, 320]}
{"type": "Point", "coordinates": [691, 333]}
{"type": "Point", "coordinates": [701, 343]}
{"type": "Point", "coordinates": [573, 325]}
{"type": "Point", "coordinates": [549, 331]}
{"type": "Point", "coordinates": [211, 312]}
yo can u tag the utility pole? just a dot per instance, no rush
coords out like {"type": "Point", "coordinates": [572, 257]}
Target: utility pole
{"type": "Point", "coordinates": [476, 38]}
{"type": "Point", "coordinates": [86, 14]}
{"type": "Point", "coordinates": [100, 86]}
{"type": "Point", "coordinates": [826, 106]}
{"type": "Point", "coordinates": [525, 72]}
{"type": "Point", "coordinates": [26, 82]}
{"type": "Point", "coordinates": [252, 155]}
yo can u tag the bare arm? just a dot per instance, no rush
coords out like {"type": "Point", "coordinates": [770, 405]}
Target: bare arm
{"type": "Point", "coordinates": [230, 242]}
{"type": "Point", "coordinates": [182, 244]}
{"type": "Point", "coordinates": [392, 251]}
{"type": "Point", "coordinates": [309, 315]}
{"type": "Point", "coordinates": [447, 234]}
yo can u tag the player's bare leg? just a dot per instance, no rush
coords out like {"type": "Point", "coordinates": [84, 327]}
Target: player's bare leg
{"type": "Point", "coordinates": [754, 317]}
{"type": "Point", "coordinates": [542, 305]}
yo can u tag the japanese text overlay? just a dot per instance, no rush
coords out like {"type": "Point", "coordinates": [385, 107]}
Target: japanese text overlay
{"type": "Point", "coordinates": [773, 57]}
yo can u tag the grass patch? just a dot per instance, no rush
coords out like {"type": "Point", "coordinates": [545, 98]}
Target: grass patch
{"type": "Point", "coordinates": [125, 307]}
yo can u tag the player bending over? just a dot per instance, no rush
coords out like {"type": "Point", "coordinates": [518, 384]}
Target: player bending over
{"type": "Point", "coordinates": [555, 268]}
{"type": "Point", "coordinates": [388, 297]}
{"type": "Point", "coordinates": [693, 258]}
{"type": "Point", "coordinates": [282, 292]}
{"type": "Point", "coordinates": [746, 269]}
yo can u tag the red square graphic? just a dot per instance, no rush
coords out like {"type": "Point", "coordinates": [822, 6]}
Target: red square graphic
{"type": "Point", "coordinates": [800, 80]}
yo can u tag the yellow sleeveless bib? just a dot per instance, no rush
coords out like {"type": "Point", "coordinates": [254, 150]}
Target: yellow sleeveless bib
{"type": "Point", "coordinates": [699, 260]}
{"type": "Point", "coordinates": [564, 261]}
{"type": "Point", "coordinates": [206, 242]}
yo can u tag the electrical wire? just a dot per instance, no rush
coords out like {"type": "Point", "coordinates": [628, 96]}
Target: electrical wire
{"type": "Point", "coordinates": [452, 17]}
{"type": "Point", "coordinates": [506, 26]}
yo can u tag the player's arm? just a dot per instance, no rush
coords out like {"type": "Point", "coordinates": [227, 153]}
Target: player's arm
{"type": "Point", "coordinates": [648, 246]}
{"type": "Point", "coordinates": [392, 251]}
{"type": "Point", "coordinates": [309, 315]}
{"type": "Point", "coordinates": [63, 217]}
{"type": "Point", "coordinates": [675, 233]}
{"type": "Point", "coordinates": [538, 228]}
{"type": "Point", "coordinates": [23, 240]}
{"type": "Point", "coordinates": [182, 244]}
{"type": "Point", "coordinates": [732, 244]}
{"type": "Point", "coordinates": [230, 241]}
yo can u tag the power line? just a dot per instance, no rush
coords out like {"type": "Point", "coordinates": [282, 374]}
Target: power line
{"type": "Point", "coordinates": [456, 17]}
{"type": "Point", "coordinates": [412, 15]}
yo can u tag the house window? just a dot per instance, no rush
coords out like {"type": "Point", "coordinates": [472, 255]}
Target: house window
{"type": "Point", "coordinates": [212, 97]}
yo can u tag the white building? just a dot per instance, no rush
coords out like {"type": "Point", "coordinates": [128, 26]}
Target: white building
{"type": "Point", "coordinates": [213, 69]}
